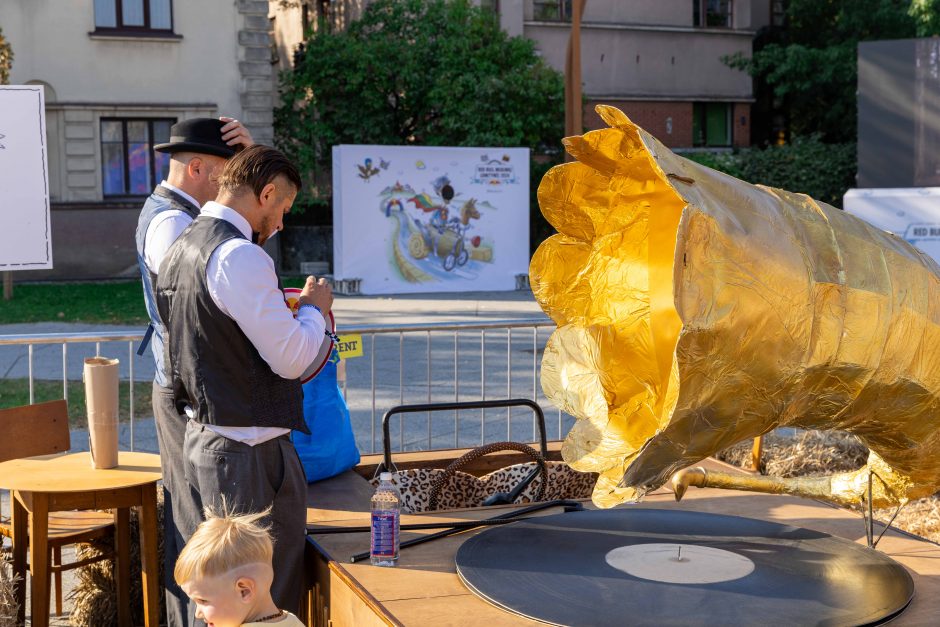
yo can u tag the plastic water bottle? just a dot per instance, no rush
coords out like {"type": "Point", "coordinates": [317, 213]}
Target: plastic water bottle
{"type": "Point", "coordinates": [386, 511]}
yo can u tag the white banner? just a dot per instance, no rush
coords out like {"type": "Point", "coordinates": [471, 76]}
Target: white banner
{"type": "Point", "coordinates": [409, 219]}
{"type": "Point", "coordinates": [910, 213]}
{"type": "Point", "coordinates": [25, 230]}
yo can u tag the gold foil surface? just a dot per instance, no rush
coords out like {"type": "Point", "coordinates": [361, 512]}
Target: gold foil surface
{"type": "Point", "coordinates": [695, 310]}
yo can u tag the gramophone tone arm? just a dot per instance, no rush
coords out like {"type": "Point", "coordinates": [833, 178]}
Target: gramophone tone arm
{"type": "Point", "coordinates": [843, 489]}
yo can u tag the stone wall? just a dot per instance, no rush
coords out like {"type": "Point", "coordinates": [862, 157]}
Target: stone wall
{"type": "Point", "coordinates": [255, 66]}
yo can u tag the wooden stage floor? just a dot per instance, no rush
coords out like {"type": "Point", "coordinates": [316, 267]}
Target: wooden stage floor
{"type": "Point", "coordinates": [425, 590]}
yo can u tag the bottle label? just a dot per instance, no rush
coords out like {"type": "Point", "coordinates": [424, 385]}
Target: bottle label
{"type": "Point", "coordinates": [384, 533]}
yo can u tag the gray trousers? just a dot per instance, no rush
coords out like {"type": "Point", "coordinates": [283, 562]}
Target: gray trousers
{"type": "Point", "coordinates": [251, 479]}
{"type": "Point", "coordinates": [181, 505]}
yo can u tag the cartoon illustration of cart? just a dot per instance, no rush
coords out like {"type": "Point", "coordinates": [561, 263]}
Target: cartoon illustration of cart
{"type": "Point", "coordinates": [446, 238]}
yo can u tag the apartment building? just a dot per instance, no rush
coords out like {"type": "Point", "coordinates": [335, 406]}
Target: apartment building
{"type": "Point", "coordinates": [116, 75]}
{"type": "Point", "coordinates": [660, 61]}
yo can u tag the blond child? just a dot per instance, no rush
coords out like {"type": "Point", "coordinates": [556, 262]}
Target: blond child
{"type": "Point", "coordinates": [225, 568]}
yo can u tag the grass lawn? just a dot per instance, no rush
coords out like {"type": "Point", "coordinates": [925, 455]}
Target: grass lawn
{"type": "Point", "coordinates": [15, 392]}
{"type": "Point", "coordinates": [111, 302]}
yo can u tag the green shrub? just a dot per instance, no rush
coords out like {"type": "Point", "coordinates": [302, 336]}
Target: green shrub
{"type": "Point", "coordinates": [807, 166]}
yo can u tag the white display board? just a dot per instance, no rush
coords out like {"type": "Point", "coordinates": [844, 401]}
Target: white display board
{"type": "Point", "coordinates": [25, 230]}
{"type": "Point", "coordinates": [910, 213]}
{"type": "Point", "coordinates": [428, 219]}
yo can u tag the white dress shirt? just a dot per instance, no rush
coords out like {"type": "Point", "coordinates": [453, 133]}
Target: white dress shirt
{"type": "Point", "coordinates": [243, 284]}
{"type": "Point", "coordinates": [164, 229]}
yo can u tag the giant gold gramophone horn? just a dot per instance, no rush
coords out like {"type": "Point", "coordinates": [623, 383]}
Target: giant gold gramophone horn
{"type": "Point", "coordinates": [695, 310]}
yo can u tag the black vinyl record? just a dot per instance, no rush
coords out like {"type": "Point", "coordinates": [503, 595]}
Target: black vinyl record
{"type": "Point", "coordinates": [640, 566]}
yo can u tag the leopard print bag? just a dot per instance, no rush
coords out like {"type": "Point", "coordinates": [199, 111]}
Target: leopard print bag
{"type": "Point", "coordinates": [465, 490]}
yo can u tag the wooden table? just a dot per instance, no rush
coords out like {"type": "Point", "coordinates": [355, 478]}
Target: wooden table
{"type": "Point", "coordinates": [52, 483]}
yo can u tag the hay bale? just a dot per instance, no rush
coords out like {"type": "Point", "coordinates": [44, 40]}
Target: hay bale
{"type": "Point", "coordinates": [94, 597]}
{"type": "Point", "coordinates": [806, 453]}
{"type": "Point", "coordinates": [826, 453]}
{"type": "Point", "coordinates": [482, 253]}
{"type": "Point", "coordinates": [920, 517]}
{"type": "Point", "coordinates": [8, 605]}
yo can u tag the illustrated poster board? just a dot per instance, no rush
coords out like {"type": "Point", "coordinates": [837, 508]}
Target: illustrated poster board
{"type": "Point", "coordinates": [25, 230]}
{"type": "Point", "coordinates": [412, 219]}
{"type": "Point", "coordinates": [910, 213]}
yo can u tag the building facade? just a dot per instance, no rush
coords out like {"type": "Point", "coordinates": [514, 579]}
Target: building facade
{"type": "Point", "coordinates": [660, 61]}
{"type": "Point", "coordinates": [116, 75]}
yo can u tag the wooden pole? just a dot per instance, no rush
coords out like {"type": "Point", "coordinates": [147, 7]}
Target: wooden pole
{"type": "Point", "coordinates": [7, 286]}
{"type": "Point", "coordinates": [573, 107]}
{"type": "Point", "coordinates": [757, 451]}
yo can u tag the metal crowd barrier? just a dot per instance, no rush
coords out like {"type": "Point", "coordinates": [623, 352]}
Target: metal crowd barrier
{"type": "Point", "coordinates": [436, 361]}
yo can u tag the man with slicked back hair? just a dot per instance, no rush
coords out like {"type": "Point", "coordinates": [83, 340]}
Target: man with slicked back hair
{"type": "Point", "coordinates": [235, 354]}
{"type": "Point", "coordinates": [198, 149]}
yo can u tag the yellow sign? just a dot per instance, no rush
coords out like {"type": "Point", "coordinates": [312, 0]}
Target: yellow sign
{"type": "Point", "coordinates": [350, 345]}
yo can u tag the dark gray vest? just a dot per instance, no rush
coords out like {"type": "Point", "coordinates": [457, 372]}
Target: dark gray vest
{"type": "Point", "coordinates": [212, 365]}
{"type": "Point", "coordinates": [162, 199]}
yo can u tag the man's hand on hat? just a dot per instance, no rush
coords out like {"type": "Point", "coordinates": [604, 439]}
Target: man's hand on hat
{"type": "Point", "coordinates": [317, 292]}
{"type": "Point", "coordinates": [234, 134]}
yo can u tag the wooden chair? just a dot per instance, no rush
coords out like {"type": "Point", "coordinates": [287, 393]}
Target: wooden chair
{"type": "Point", "coordinates": [43, 429]}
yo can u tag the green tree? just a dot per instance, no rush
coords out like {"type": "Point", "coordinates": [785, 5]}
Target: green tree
{"type": "Point", "coordinates": [422, 72]}
{"type": "Point", "coordinates": [6, 59]}
{"type": "Point", "coordinates": [811, 64]}
{"type": "Point", "coordinates": [926, 14]}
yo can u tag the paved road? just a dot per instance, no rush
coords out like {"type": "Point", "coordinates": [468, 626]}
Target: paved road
{"type": "Point", "coordinates": [350, 311]}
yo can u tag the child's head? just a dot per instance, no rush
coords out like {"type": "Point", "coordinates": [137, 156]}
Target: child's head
{"type": "Point", "coordinates": [225, 568]}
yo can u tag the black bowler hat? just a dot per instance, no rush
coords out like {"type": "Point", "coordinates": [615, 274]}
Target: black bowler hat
{"type": "Point", "coordinates": [202, 135]}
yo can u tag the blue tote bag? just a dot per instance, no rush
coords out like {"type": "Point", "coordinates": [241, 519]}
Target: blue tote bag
{"type": "Point", "coordinates": [331, 447]}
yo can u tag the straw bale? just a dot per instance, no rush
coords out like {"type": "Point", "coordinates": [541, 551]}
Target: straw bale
{"type": "Point", "coordinates": [8, 606]}
{"type": "Point", "coordinates": [827, 452]}
{"type": "Point", "coordinates": [804, 453]}
{"type": "Point", "coordinates": [94, 597]}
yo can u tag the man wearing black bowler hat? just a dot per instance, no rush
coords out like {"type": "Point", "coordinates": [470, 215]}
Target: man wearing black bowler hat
{"type": "Point", "coordinates": [198, 149]}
